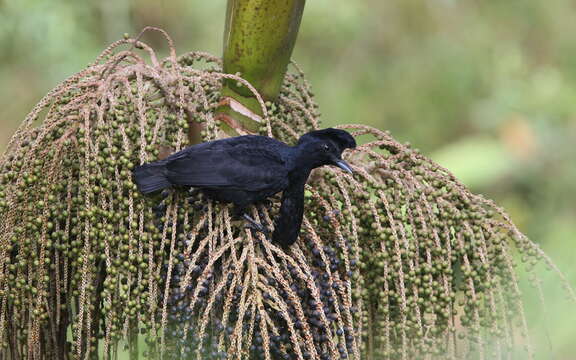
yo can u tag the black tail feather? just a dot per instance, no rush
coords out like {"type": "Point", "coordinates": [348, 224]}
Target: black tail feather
{"type": "Point", "coordinates": [150, 178]}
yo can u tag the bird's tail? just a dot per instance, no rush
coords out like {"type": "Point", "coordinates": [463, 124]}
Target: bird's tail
{"type": "Point", "coordinates": [150, 178]}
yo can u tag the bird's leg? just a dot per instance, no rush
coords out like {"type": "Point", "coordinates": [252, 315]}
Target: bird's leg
{"type": "Point", "coordinates": [253, 224]}
{"type": "Point", "coordinates": [241, 212]}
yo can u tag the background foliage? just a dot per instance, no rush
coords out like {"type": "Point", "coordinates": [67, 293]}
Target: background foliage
{"type": "Point", "coordinates": [484, 88]}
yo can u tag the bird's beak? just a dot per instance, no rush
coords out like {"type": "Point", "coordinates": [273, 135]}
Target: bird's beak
{"type": "Point", "coordinates": [343, 165]}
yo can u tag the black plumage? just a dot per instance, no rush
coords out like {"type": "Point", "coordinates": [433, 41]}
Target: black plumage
{"type": "Point", "coordinates": [247, 169]}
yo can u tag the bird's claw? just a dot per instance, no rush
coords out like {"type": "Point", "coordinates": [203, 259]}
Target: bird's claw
{"type": "Point", "coordinates": [254, 225]}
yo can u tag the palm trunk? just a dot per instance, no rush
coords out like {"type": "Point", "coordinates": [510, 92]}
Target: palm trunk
{"type": "Point", "coordinates": [258, 42]}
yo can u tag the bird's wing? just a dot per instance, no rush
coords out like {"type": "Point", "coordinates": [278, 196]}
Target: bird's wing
{"type": "Point", "coordinates": [230, 167]}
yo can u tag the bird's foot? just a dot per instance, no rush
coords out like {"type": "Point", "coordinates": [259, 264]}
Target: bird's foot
{"type": "Point", "coordinates": [254, 225]}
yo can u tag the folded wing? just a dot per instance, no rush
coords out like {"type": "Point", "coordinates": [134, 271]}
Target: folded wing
{"type": "Point", "coordinates": [234, 168]}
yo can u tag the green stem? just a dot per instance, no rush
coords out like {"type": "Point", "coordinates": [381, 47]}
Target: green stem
{"type": "Point", "coordinates": [133, 342]}
{"type": "Point", "coordinates": [258, 42]}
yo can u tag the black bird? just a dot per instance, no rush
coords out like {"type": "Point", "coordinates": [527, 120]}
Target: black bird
{"type": "Point", "coordinates": [246, 169]}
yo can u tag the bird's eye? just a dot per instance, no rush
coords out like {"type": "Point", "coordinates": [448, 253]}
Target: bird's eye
{"type": "Point", "coordinates": [325, 147]}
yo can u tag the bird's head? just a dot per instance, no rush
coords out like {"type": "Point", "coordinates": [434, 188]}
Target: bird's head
{"type": "Point", "coordinates": [325, 147]}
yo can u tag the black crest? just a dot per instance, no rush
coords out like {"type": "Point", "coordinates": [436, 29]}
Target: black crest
{"type": "Point", "coordinates": [340, 137]}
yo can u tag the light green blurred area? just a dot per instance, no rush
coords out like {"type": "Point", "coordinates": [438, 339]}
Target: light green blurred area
{"type": "Point", "coordinates": [486, 88]}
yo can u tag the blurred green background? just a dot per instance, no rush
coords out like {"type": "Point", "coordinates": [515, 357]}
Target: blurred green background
{"type": "Point", "coordinates": [485, 88]}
